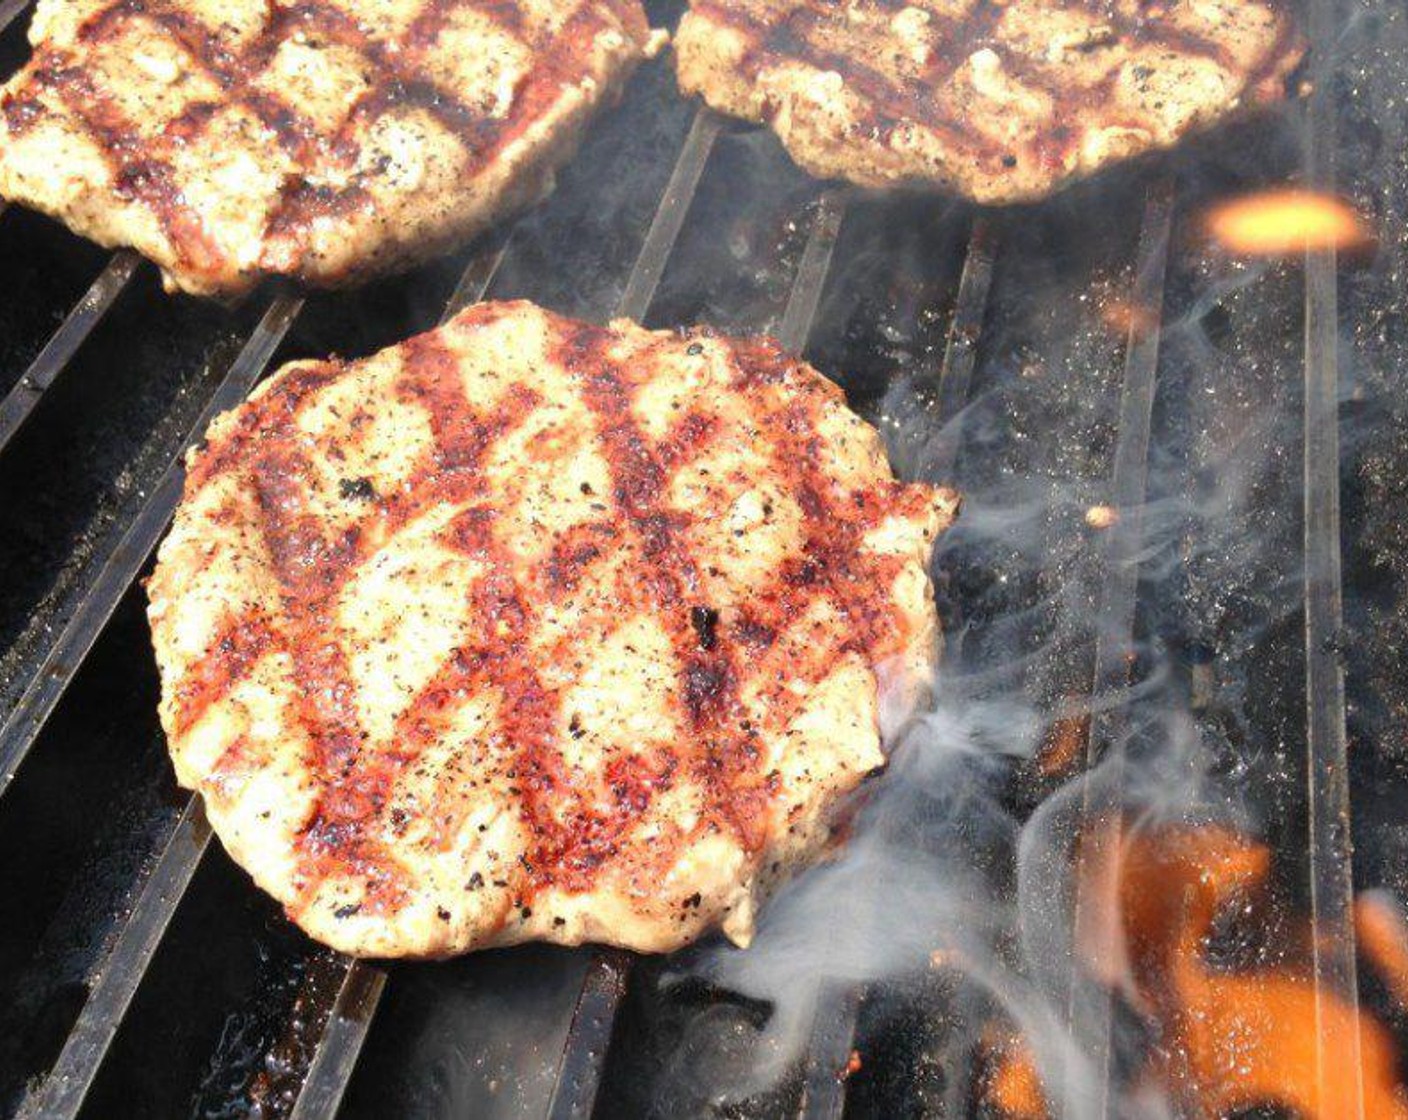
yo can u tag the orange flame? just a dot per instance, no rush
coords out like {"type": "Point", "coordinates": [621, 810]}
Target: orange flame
{"type": "Point", "coordinates": [1102, 517]}
{"type": "Point", "coordinates": [1013, 1089]}
{"type": "Point", "coordinates": [1285, 222]}
{"type": "Point", "coordinates": [1234, 1040]}
{"type": "Point", "coordinates": [1383, 935]}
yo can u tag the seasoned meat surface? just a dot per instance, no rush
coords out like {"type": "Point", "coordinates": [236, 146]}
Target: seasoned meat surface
{"type": "Point", "coordinates": [1000, 100]}
{"type": "Point", "coordinates": [527, 628]}
{"type": "Point", "coordinates": [327, 140]}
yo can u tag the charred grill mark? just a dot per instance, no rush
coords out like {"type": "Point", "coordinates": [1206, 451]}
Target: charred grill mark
{"type": "Point", "coordinates": [153, 183]}
{"type": "Point", "coordinates": [354, 791]}
{"type": "Point", "coordinates": [141, 165]}
{"type": "Point", "coordinates": [232, 761]}
{"type": "Point", "coordinates": [354, 780]}
{"type": "Point", "coordinates": [761, 362]}
{"type": "Point", "coordinates": [1266, 78]}
{"type": "Point", "coordinates": [403, 83]}
{"type": "Point", "coordinates": [708, 676]}
{"type": "Point", "coordinates": [137, 174]}
{"type": "Point", "coordinates": [229, 659]}
{"type": "Point", "coordinates": [309, 564]}
{"type": "Point", "coordinates": [235, 72]}
{"type": "Point", "coordinates": [892, 101]}
{"type": "Point", "coordinates": [686, 437]}
{"type": "Point", "coordinates": [707, 680]}
{"type": "Point", "coordinates": [300, 202]}
{"type": "Point", "coordinates": [468, 124]}
{"type": "Point", "coordinates": [192, 121]}
{"type": "Point", "coordinates": [709, 687]}
{"type": "Point", "coordinates": [206, 48]}
{"type": "Point", "coordinates": [753, 633]}
{"type": "Point", "coordinates": [573, 554]}
{"type": "Point", "coordinates": [426, 27]}
{"type": "Point", "coordinates": [431, 379]}
{"type": "Point", "coordinates": [889, 103]}
{"type": "Point", "coordinates": [275, 407]}
{"type": "Point", "coordinates": [462, 435]}
{"type": "Point", "coordinates": [296, 133]}
{"type": "Point", "coordinates": [21, 113]}
{"type": "Point", "coordinates": [832, 562]}
{"type": "Point", "coordinates": [352, 783]}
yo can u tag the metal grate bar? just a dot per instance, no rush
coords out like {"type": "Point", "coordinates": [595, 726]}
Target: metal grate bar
{"type": "Point", "coordinates": [1327, 771]}
{"type": "Point", "coordinates": [824, 1078]}
{"type": "Point", "coordinates": [10, 11]}
{"type": "Point", "coordinates": [63, 1091]}
{"type": "Point", "coordinates": [478, 275]}
{"type": "Point", "coordinates": [1090, 1014]}
{"type": "Point", "coordinates": [584, 1056]}
{"type": "Point", "coordinates": [338, 1049]}
{"type": "Point", "coordinates": [961, 349]}
{"type": "Point", "coordinates": [124, 560]}
{"type": "Point", "coordinates": [834, 1030]}
{"type": "Point", "coordinates": [593, 1019]}
{"type": "Point", "coordinates": [51, 362]}
{"type": "Point", "coordinates": [807, 287]}
{"type": "Point", "coordinates": [66, 1085]}
{"type": "Point", "coordinates": [670, 215]}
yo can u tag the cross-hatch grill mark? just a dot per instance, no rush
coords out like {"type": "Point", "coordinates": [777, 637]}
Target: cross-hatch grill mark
{"type": "Point", "coordinates": [571, 836]}
{"type": "Point", "coordinates": [140, 159]}
{"type": "Point", "coordinates": [892, 101]}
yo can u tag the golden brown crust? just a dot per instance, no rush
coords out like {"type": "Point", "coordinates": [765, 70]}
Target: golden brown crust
{"type": "Point", "coordinates": [527, 628]}
{"type": "Point", "coordinates": [326, 140]}
{"type": "Point", "coordinates": [1001, 100]}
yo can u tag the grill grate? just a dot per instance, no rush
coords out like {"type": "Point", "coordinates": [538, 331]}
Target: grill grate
{"type": "Point", "coordinates": [1114, 642]}
{"type": "Point", "coordinates": [20, 402]}
{"type": "Point", "coordinates": [48, 675]}
{"type": "Point", "coordinates": [343, 1007]}
{"type": "Point", "coordinates": [1330, 856]}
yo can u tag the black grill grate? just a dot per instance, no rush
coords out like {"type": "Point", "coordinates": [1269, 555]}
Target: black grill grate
{"type": "Point", "coordinates": [790, 258]}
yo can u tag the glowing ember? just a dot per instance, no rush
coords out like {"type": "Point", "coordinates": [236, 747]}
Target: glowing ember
{"type": "Point", "coordinates": [1064, 744]}
{"type": "Point", "coordinates": [852, 1066]}
{"type": "Point", "coordinates": [1013, 1088]}
{"type": "Point", "coordinates": [1101, 517]}
{"type": "Point", "coordinates": [1285, 222]}
{"type": "Point", "coordinates": [1125, 316]}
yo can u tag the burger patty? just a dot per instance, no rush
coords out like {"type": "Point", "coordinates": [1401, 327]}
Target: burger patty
{"type": "Point", "coordinates": [1000, 100]}
{"type": "Point", "coordinates": [327, 140]}
{"type": "Point", "coordinates": [528, 628]}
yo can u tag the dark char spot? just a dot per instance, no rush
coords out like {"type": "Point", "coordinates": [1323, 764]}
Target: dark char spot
{"type": "Point", "coordinates": [359, 488]}
{"type": "Point", "coordinates": [705, 621]}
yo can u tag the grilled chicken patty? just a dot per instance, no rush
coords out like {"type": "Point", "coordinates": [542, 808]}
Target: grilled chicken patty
{"type": "Point", "coordinates": [326, 140]}
{"type": "Point", "coordinates": [1000, 100]}
{"type": "Point", "coordinates": [527, 628]}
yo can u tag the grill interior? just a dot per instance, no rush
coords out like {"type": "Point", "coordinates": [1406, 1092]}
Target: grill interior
{"type": "Point", "coordinates": [1247, 422]}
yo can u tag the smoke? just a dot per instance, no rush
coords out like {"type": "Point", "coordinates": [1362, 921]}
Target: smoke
{"type": "Point", "coordinates": [963, 856]}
